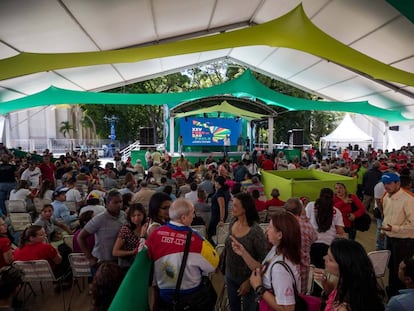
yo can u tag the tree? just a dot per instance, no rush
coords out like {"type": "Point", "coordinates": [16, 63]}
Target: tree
{"type": "Point", "coordinates": [65, 128]}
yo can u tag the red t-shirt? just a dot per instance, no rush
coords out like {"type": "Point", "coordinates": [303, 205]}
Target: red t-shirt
{"type": "Point", "coordinates": [260, 205]}
{"type": "Point", "coordinates": [48, 171]}
{"type": "Point", "coordinates": [5, 246]}
{"type": "Point", "coordinates": [274, 202]}
{"type": "Point", "coordinates": [267, 165]}
{"type": "Point", "coordinates": [35, 252]}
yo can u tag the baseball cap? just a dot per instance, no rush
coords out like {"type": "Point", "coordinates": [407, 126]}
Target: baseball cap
{"type": "Point", "coordinates": [92, 195]}
{"type": "Point", "coordinates": [61, 189]}
{"type": "Point", "coordinates": [389, 178]}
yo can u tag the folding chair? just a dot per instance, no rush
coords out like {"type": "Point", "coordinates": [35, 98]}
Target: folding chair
{"type": "Point", "coordinates": [71, 205]}
{"type": "Point", "coordinates": [38, 270]}
{"type": "Point", "coordinates": [380, 260]}
{"type": "Point", "coordinates": [20, 221]}
{"type": "Point", "coordinates": [263, 216]}
{"type": "Point", "coordinates": [264, 226]}
{"type": "Point", "coordinates": [272, 210]}
{"type": "Point", "coordinates": [15, 206]}
{"type": "Point", "coordinates": [222, 232]}
{"type": "Point", "coordinates": [201, 229]}
{"type": "Point", "coordinates": [222, 299]}
{"type": "Point", "coordinates": [38, 204]}
{"type": "Point", "coordinates": [68, 240]}
{"type": "Point", "coordinates": [80, 270]}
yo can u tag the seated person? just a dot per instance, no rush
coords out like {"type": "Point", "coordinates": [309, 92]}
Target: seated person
{"type": "Point", "coordinates": [6, 254]}
{"type": "Point", "coordinates": [275, 201]}
{"type": "Point", "coordinates": [61, 211]}
{"type": "Point", "coordinates": [11, 280]}
{"type": "Point", "coordinates": [405, 300]}
{"type": "Point", "coordinates": [48, 222]}
{"type": "Point", "coordinates": [260, 205]}
{"type": "Point", "coordinates": [33, 247]}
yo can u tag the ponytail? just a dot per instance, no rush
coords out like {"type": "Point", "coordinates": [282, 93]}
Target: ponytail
{"type": "Point", "coordinates": [29, 232]}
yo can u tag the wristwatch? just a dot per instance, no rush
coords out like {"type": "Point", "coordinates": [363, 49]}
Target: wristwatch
{"type": "Point", "coordinates": [260, 290]}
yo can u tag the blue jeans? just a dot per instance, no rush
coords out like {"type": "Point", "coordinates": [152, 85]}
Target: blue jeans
{"type": "Point", "coordinates": [239, 303]}
{"type": "Point", "coordinates": [380, 240]}
{"type": "Point", "coordinates": [5, 188]}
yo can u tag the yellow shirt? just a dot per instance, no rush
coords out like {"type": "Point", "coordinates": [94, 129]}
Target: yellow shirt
{"type": "Point", "coordinates": [399, 213]}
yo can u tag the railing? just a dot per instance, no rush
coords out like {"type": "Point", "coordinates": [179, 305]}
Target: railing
{"type": "Point", "coordinates": [61, 145]}
{"type": "Point", "coordinates": [126, 152]}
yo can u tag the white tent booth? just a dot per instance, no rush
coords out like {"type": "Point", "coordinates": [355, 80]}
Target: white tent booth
{"type": "Point", "coordinates": [347, 133]}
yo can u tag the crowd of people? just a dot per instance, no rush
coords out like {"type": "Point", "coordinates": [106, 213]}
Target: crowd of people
{"type": "Point", "coordinates": [122, 208]}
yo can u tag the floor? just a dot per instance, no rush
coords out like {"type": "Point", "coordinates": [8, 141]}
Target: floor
{"type": "Point", "coordinates": [50, 300]}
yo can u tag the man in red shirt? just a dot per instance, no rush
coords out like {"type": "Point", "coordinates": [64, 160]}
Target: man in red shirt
{"type": "Point", "coordinates": [48, 169]}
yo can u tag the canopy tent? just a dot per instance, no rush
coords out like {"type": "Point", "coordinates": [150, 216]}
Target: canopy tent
{"type": "Point", "coordinates": [344, 51]}
{"type": "Point", "coordinates": [396, 139]}
{"type": "Point", "coordinates": [244, 86]}
{"type": "Point", "coordinates": [346, 133]}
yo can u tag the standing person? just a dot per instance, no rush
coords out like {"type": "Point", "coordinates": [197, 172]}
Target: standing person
{"type": "Point", "coordinates": [226, 144]}
{"type": "Point", "coordinates": [327, 221]}
{"type": "Point", "coordinates": [308, 236]}
{"type": "Point", "coordinates": [245, 229]}
{"type": "Point", "coordinates": [131, 236]}
{"type": "Point", "coordinates": [347, 203]}
{"type": "Point", "coordinates": [356, 287]}
{"type": "Point", "coordinates": [148, 158]}
{"type": "Point", "coordinates": [48, 169]}
{"type": "Point", "coordinates": [240, 143]}
{"type": "Point", "coordinates": [105, 227]}
{"type": "Point", "coordinates": [380, 238]}
{"type": "Point", "coordinates": [369, 180]}
{"type": "Point", "coordinates": [398, 226]}
{"type": "Point", "coordinates": [8, 173]}
{"type": "Point", "coordinates": [271, 281]}
{"type": "Point", "coordinates": [158, 208]}
{"type": "Point", "coordinates": [32, 174]}
{"type": "Point", "coordinates": [180, 144]}
{"type": "Point", "coordinates": [166, 248]}
{"type": "Point", "coordinates": [247, 143]}
{"type": "Point", "coordinates": [219, 205]}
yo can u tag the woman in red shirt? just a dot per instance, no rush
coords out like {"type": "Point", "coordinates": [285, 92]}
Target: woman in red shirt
{"type": "Point", "coordinates": [344, 201]}
{"type": "Point", "coordinates": [33, 247]}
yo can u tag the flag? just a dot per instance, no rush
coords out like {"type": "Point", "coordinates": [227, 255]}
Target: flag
{"type": "Point", "coordinates": [132, 295]}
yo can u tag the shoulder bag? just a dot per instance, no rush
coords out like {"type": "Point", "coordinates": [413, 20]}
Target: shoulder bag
{"type": "Point", "coordinates": [203, 299]}
{"type": "Point", "coordinates": [363, 222]}
{"type": "Point", "coordinates": [302, 302]}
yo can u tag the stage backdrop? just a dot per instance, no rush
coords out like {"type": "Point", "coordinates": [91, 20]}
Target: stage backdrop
{"type": "Point", "coordinates": [209, 131]}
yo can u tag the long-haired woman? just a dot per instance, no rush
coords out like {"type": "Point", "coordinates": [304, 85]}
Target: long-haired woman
{"type": "Point", "coordinates": [327, 220]}
{"type": "Point", "coordinates": [245, 229]}
{"type": "Point", "coordinates": [272, 280]}
{"type": "Point", "coordinates": [158, 208]}
{"type": "Point", "coordinates": [356, 286]}
{"type": "Point", "coordinates": [131, 236]}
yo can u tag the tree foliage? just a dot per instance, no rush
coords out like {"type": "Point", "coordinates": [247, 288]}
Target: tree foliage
{"type": "Point", "coordinates": [133, 117]}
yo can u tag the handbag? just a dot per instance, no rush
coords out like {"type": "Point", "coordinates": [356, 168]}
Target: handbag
{"type": "Point", "coordinates": [203, 299]}
{"type": "Point", "coordinates": [363, 222]}
{"type": "Point", "coordinates": [302, 302]}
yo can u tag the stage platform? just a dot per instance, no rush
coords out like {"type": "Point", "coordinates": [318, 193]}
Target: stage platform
{"type": "Point", "coordinates": [193, 157]}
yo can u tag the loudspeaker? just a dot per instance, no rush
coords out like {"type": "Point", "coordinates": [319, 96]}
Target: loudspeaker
{"type": "Point", "coordinates": [146, 136]}
{"type": "Point", "coordinates": [296, 137]}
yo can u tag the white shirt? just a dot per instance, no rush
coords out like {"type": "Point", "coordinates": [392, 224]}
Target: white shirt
{"type": "Point", "coordinates": [327, 236]}
{"type": "Point", "coordinates": [20, 194]}
{"type": "Point", "coordinates": [97, 209]}
{"type": "Point", "coordinates": [192, 196]}
{"type": "Point", "coordinates": [379, 191]}
{"type": "Point", "coordinates": [281, 279]}
{"type": "Point", "coordinates": [73, 195]}
{"type": "Point", "coordinates": [32, 176]}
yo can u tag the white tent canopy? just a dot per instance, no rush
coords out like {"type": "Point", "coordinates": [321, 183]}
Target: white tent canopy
{"type": "Point", "coordinates": [397, 139]}
{"type": "Point", "coordinates": [346, 133]}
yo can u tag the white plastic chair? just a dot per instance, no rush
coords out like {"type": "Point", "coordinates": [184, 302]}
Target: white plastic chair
{"type": "Point", "coordinates": [38, 204]}
{"type": "Point", "coordinates": [80, 270]}
{"type": "Point", "coordinates": [20, 221]}
{"type": "Point", "coordinates": [15, 206]}
{"type": "Point", "coordinates": [68, 240]}
{"type": "Point", "coordinates": [222, 232]}
{"type": "Point", "coordinates": [380, 261]}
{"type": "Point", "coordinates": [39, 271]}
{"type": "Point", "coordinates": [263, 216]}
{"type": "Point", "coordinates": [201, 229]}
